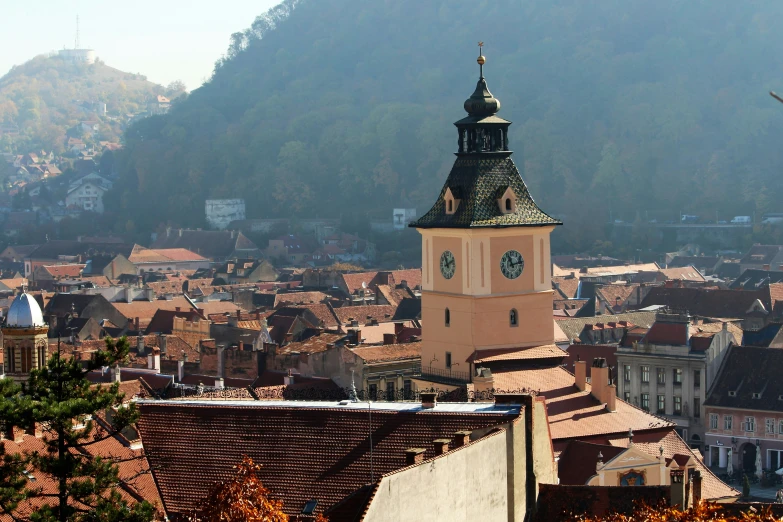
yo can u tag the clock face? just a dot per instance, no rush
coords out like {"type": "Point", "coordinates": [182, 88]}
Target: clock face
{"type": "Point", "coordinates": [448, 265]}
{"type": "Point", "coordinates": [511, 264]}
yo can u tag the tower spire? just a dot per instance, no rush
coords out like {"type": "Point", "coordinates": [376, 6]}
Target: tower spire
{"type": "Point", "coordinates": [481, 59]}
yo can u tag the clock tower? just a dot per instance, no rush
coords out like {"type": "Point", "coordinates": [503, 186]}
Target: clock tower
{"type": "Point", "coordinates": [486, 269]}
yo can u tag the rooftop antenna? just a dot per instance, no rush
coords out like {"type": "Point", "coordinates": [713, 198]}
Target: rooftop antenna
{"type": "Point", "coordinates": [77, 42]}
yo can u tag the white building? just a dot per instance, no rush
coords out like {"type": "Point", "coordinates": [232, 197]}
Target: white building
{"type": "Point", "coordinates": [86, 56]}
{"type": "Point", "coordinates": [403, 216]}
{"type": "Point", "coordinates": [221, 212]}
{"type": "Point", "coordinates": [87, 193]}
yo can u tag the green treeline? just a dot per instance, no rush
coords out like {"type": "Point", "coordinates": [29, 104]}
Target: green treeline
{"type": "Point", "coordinates": [335, 107]}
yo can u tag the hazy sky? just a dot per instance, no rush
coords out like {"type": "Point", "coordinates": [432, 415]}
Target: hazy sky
{"type": "Point", "coordinates": [166, 41]}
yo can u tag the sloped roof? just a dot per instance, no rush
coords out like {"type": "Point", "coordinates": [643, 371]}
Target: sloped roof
{"type": "Point", "coordinates": [573, 326]}
{"type": "Point", "coordinates": [479, 179]}
{"type": "Point", "coordinates": [707, 302]}
{"type": "Point", "coordinates": [207, 243]}
{"type": "Point", "coordinates": [747, 370]}
{"type": "Point", "coordinates": [516, 354]}
{"type": "Point", "coordinates": [362, 313]}
{"type": "Point", "coordinates": [389, 352]}
{"type": "Point", "coordinates": [761, 254]}
{"type": "Point", "coordinates": [322, 453]}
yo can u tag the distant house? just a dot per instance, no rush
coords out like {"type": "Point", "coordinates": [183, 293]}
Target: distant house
{"type": "Point", "coordinates": [87, 192]}
{"type": "Point", "coordinates": [159, 105]}
{"type": "Point", "coordinates": [290, 247]}
{"type": "Point", "coordinates": [75, 145]}
{"type": "Point", "coordinates": [166, 259]}
{"type": "Point", "coordinates": [246, 271]}
{"type": "Point", "coordinates": [763, 257]}
{"type": "Point", "coordinates": [218, 245]}
{"type": "Point", "coordinates": [90, 126]}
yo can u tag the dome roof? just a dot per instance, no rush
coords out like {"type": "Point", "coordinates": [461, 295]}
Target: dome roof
{"type": "Point", "coordinates": [24, 312]}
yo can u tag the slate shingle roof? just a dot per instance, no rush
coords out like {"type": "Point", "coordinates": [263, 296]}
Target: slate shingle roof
{"type": "Point", "coordinates": [478, 180]}
{"type": "Point", "coordinates": [747, 370]}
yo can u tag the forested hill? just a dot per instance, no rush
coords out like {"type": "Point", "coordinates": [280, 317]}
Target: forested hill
{"type": "Point", "coordinates": [347, 107]}
{"type": "Point", "coordinates": [47, 97]}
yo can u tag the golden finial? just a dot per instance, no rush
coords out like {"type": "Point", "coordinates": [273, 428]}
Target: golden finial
{"type": "Point", "coordinates": [481, 59]}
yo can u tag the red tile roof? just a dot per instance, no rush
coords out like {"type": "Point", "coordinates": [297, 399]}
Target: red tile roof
{"type": "Point", "coordinates": [389, 352]}
{"type": "Point", "coordinates": [64, 270]}
{"type": "Point", "coordinates": [516, 354]}
{"type": "Point", "coordinates": [382, 313]}
{"type": "Point", "coordinates": [321, 453]}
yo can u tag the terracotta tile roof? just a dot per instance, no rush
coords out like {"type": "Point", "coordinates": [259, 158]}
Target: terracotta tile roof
{"type": "Point", "coordinates": [516, 354]}
{"type": "Point", "coordinates": [573, 327]}
{"type": "Point", "coordinates": [163, 320]}
{"type": "Point", "coordinates": [298, 298]}
{"type": "Point", "coordinates": [615, 294]}
{"type": "Point", "coordinates": [315, 344]}
{"type": "Point", "coordinates": [567, 286]}
{"type": "Point", "coordinates": [14, 283]}
{"type": "Point", "coordinates": [180, 439]}
{"type": "Point", "coordinates": [574, 414]}
{"type": "Point", "coordinates": [145, 310]}
{"type": "Point", "coordinates": [707, 302]}
{"type": "Point", "coordinates": [65, 270]}
{"type": "Point", "coordinates": [179, 254]}
{"type": "Point", "coordinates": [761, 254]}
{"type": "Point", "coordinates": [687, 273]}
{"type": "Point", "coordinates": [588, 352]}
{"type": "Point", "coordinates": [98, 281]}
{"type": "Point", "coordinates": [354, 281]}
{"type": "Point", "coordinates": [412, 277]}
{"type": "Point", "coordinates": [382, 313]}
{"type": "Point", "coordinates": [165, 287]}
{"type": "Point", "coordinates": [389, 352]}
{"type": "Point", "coordinates": [323, 311]}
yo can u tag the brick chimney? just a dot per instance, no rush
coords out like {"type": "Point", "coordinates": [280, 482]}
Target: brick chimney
{"type": "Point", "coordinates": [461, 438]}
{"type": "Point", "coordinates": [580, 374]}
{"type": "Point", "coordinates": [414, 456]}
{"type": "Point", "coordinates": [136, 323]}
{"type": "Point", "coordinates": [611, 398]}
{"type": "Point", "coordinates": [428, 399]}
{"type": "Point", "coordinates": [599, 378]}
{"type": "Point", "coordinates": [441, 446]}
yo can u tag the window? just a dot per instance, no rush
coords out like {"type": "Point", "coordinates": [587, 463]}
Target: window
{"type": "Point", "coordinates": [696, 408]}
{"type": "Point", "coordinates": [513, 318]}
{"type": "Point", "coordinates": [627, 373]}
{"type": "Point", "coordinates": [390, 391]}
{"type": "Point", "coordinates": [677, 405]}
{"type": "Point", "coordinates": [677, 375]}
{"type": "Point", "coordinates": [775, 459]}
{"type": "Point", "coordinates": [508, 204]}
{"type": "Point", "coordinates": [713, 421]}
{"type": "Point", "coordinates": [11, 359]}
{"type": "Point", "coordinates": [451, 205]}
{"type": "Point", "coordinates": [646, 401]}
{"type": "Point", "coordinates": [627, 397]}
{"type": "Point", "coordinates": [662, 404]}
{"type": "Point", "coordinates": [447, 317]}
{"type": "Point", "coordinates": [780, 427]}
{"type": "Point", "coordinates": [750, 424]}
{"type": "Point", "coordinates": [661, 375]}
{"type": "Point", "coordinates": [645, 370]}
{"type": "Point", "coordinates": [728, 421]}
{"type": "Point", "coordinates": [407, 389]}
{"type": "Point", "coordinates": [448, 360]}
{"type": "Point", "coordinates": [373, 392]}
{"type": "Point", "coordinates": [770, 425]}
{"type": "Point", "coordinates": [696, 379]}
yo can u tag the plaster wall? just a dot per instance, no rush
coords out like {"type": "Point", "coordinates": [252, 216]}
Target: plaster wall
{"type": "Point", "coordinates": [437, 489]}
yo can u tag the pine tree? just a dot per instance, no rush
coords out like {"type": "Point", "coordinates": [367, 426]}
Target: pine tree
{"type": "Point", "coordinates": [61, 400]}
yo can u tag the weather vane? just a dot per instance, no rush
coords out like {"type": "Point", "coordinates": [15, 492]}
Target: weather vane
{"type": "Point", "coordinates": [481, 59]}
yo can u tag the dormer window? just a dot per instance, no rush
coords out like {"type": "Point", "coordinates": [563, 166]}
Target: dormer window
{"type": "Point", "coordinates": [732, 393]}
{"type": "Point", "coordinates": [451, 198]}
{"type": "Point", "coordinates": [756, 395]}
{"type": "Point", "coordinates": [507, 202]}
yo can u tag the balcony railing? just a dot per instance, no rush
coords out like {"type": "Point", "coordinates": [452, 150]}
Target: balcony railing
{"type": "Point", "coordinates": [445, 376]}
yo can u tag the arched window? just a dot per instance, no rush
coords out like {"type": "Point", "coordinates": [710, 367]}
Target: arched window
{"type": "Point", "coordinates": [508, 204]}
{"type": "Point", "coordinates": [513, 317]}
{"type": "Point", "coordinates": [448, 317]}
{"type": "Point", "coordinates": [451, 206]}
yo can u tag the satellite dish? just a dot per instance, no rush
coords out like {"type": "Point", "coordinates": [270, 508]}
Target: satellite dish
{"type": "Point", "coordinates": [364, 285]}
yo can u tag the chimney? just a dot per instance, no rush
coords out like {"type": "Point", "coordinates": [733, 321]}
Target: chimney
{"type": "Point", "coordinates": [140, 345]}
{"type": "Point", "coordinates": [398, 326]}
{"type": "Point", "coordinates": [180, 370]}
{"type": "Point", "coordinates": [219, 383]}
{"type": "Point", "coordinates": [696, 481]}
{"type": "Point", "coordinates": [116, 377]}
{"type": "Point", "coordinates": [580, 374]}
{"type": "Point", "coordinates": [136, 323]}
{"type": "Point", "coordinates": [34, 429]}
{"type": "Point", "coordinates": [461, 438]}
{"type": "Point", "coordinates": [678, 488]}
{"type": "Point", "coordinates": [428, 399]}
{"type": "Point", "coordinates": [389, 338]}
{"type": "Point", "coordinates": [414, 456]}
{"type": "Point", "coordinates": [288, 379]}
{"type": "Point", "coordinates": [180, 232]}
{"type": "Point", "coordinates": [611, 398]}
{"type": "Point", "coordinates": [163, 342]}
{"type": "Point", "coordinates": [599, 378]}
{"type": "Point", "coordinates": [441, 446]}
{"type": "Point", "coordinates": [220, 354]}
{"type": "Point", "coordinates": [153, 360]}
